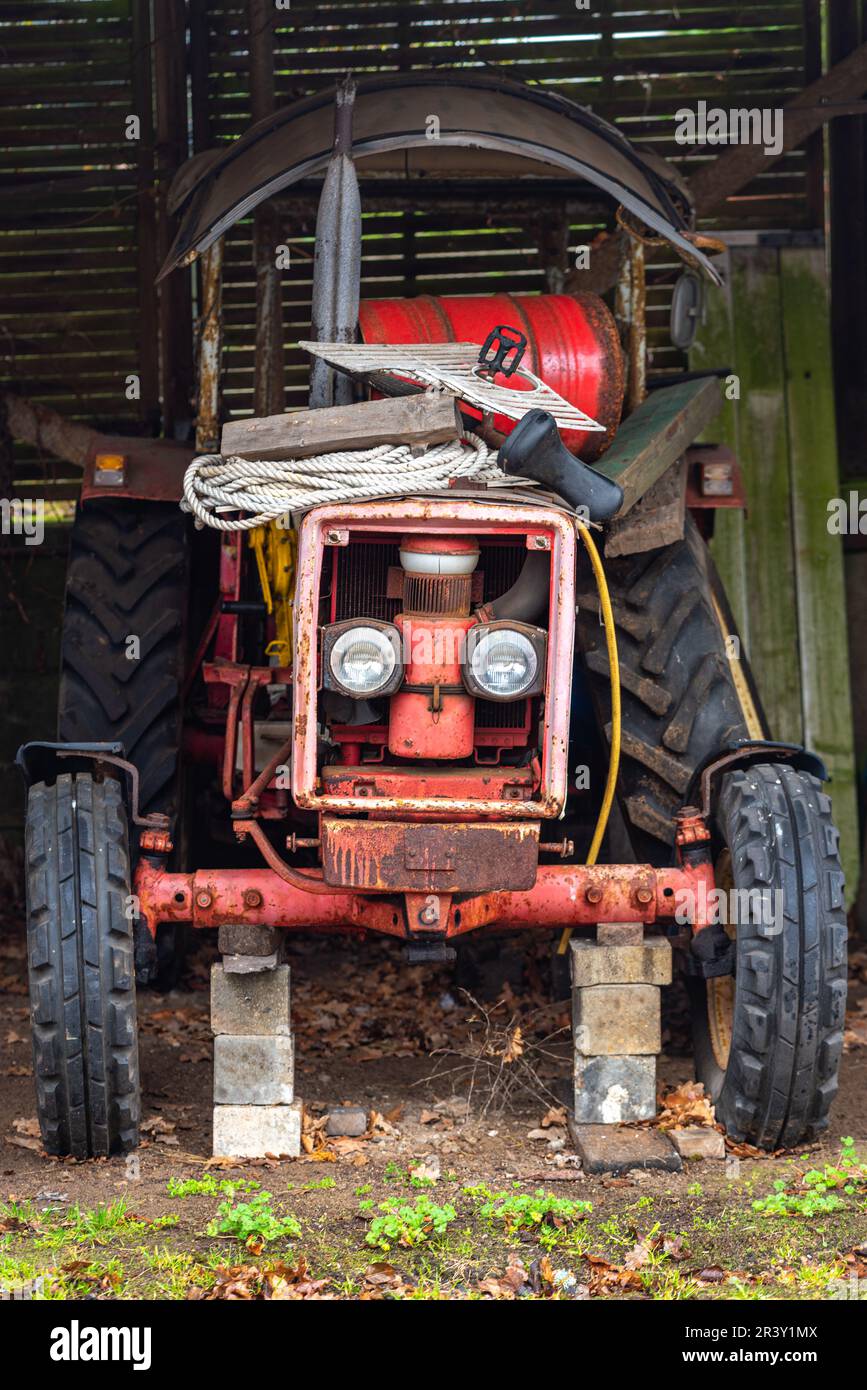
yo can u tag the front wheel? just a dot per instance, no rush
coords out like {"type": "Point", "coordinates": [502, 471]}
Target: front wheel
{"type": "Point", "coordinates": [768, 1040]}
{"type": "Point", "coordinates": [81, 969]}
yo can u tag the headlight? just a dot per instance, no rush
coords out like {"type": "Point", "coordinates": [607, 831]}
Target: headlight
{"type": "Point", "coordinates": [505, 661]}
{"type": "Point", "coordinates": [361, 658]}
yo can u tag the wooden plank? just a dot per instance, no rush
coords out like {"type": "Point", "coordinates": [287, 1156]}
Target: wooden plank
{"type": "Point", "coordinates": [656, 434]}
{"type": "Point", "coordinates": [763, 448]}
{"type": "Point", "coordinates": [426, 418]}
{"type": "Point", "coordinates": [656, 519]}
{"type": "Point", "coordinates": [735, 168]}
{"type": "Point", "coordinates": [818, 555]}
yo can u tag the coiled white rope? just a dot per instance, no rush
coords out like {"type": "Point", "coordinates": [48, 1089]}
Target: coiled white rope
{"type": "Point", "coordinates": [263, 491]}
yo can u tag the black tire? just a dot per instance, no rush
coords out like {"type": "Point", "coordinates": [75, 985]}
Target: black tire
{"type": "Point", "coordinates": [680, 702]}
{"type": "Point", "coordinates": [81, 969]}
{"type": "Point", "coordinates": [782, 1016]}
{"type": "Point", "coordinates": [127, 577]}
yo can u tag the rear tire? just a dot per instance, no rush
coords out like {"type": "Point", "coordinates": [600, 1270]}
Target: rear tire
{"type": "Point", "coordinates": [680, 699]}
{"type": "Point", "coordinates": [127, 578]}
{"type": "Point", "coordinates": [768, 1043]}
{"type": "Point", "coordinates": [81, 968]}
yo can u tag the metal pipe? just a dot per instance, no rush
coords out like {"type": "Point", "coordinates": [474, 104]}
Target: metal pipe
{"type": "Point", "coordinates": [210, 350]}
{"type": "Point", "coordinates": [337, 259]}
{"type": "Point", "coordinates": [268, 389]}
{"type": "Point", "coordinates": [528, 596]}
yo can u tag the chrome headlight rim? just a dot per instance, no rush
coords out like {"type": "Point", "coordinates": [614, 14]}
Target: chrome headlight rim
{"type": "Point", "coordinates": [331, 636]}
{"type": "Point", "coordinates": [537, 639]}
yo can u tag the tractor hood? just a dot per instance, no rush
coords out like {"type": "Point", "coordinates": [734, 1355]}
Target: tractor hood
{"type": "Point", "coordinates": [434, 125]}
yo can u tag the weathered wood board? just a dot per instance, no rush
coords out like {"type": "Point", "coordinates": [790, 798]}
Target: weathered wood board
{"type": "Point", "coordinates": [656, 434]}
{"type": "Point", "coordinates": [782, 569]}
{"type": "Point", "coordinates": [656, 519]}
{"type": "Point", "coordinates": [817, 553]}
{"type": "Point", "coordinates": [426, 418]}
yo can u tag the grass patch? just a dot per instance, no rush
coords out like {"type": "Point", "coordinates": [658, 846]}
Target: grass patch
{"type": "Point", "coordinates": [209, 1186]}
{"type": "Point", "coordinates": [818, 1191]}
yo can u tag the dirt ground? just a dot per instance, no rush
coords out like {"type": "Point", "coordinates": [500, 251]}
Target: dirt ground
{"type": "Point", "coordinates": [464, 1100]}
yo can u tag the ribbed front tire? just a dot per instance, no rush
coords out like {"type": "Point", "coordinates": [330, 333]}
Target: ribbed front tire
{"type": "Point", "coordinates": [768, 1041]}
{"type": "Point", "coordinates": [81, 967]}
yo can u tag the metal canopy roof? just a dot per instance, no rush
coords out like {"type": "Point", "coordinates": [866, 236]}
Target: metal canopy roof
{"type": "Point", "coordinates": [487, 126]}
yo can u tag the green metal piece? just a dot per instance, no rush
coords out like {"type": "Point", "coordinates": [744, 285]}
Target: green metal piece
{"type": "Point", "coordinates": [655, 435]}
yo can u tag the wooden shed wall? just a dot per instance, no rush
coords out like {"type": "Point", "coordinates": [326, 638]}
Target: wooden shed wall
{"type": "Point", "coordinates": [78, 249]}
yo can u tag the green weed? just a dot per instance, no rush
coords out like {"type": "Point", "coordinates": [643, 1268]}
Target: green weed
{"type": "Point", "coordinates": [252, 1221]}
{"type": "Point", "coordinates": [405, 1224]}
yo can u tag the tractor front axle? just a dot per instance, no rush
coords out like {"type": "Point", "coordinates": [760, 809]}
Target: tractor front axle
{"type": "Point", "coordinates": [563, 896]}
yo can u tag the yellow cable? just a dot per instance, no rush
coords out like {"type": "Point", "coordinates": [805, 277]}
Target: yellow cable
{"type": "Point", "coordinates": [614, 673]}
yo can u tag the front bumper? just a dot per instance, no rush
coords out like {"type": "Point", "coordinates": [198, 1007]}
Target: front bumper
{"type": "Point", "coordinates": [563, 896]}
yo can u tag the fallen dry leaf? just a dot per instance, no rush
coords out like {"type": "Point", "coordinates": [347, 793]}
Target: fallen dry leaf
{"type": "Point", "coordinates": [158, 1126]}
{"type": "Point", "coordinates": [428, 1170]}
{"type": "Point", "coordinates": [279, 1281]}
{"type": "Point", "coordinates": [686, 1105]}
{"type": "Point", "coordinates": [380, 1125]}
{"type": "Point", "coordinates": [555, 1116]}
{"type": "Point", "coordinates": [514, 1046]}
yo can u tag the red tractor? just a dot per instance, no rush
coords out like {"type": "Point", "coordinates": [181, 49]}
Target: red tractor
{"type": "Point", "coordinates": [371, 716]}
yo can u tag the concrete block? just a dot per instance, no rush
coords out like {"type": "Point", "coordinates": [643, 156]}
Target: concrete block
{"type": "Point", "coordinates": [255, 1131]}
{"type": "Point", "coordinates": [620, 933]}
{"type": "Point", "coordinates": [253, 1071]}
{"type": "Point", "coordinates": [616, 1020]}
{"type": "Point", "coordinates": [614, 1090]}
{"type": "Point", "coordinates": [250, 965]}
{"type": "Point", "coordinates": [245, 939]}
{"type": "Point", "coordinates": [607, 1149]}
{"type": "Point", "coordinates": [347, 1122]}
{"type": "Point", "coordinates": [697, 1141]}
{"type": "Point", "coordinates": [245, 1005]}
{"type": "Point", "coordinates": [611, 963]}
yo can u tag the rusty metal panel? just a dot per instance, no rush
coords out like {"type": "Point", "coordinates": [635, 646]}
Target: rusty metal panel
{"type": "Point", "coordinates": [386, 856]}
{"type": "Point", "coordinates": [153, 469]}
{"type": "Point", "coordinates": [452, 516]}
{"type": "Point", "coordinates": [442, 782]}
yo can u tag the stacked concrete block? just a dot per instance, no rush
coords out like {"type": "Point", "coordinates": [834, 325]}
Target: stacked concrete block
{"type": "Point", "coordinates": [616, 983]}
{"type": "Point", "coordinates": [255, 1111]}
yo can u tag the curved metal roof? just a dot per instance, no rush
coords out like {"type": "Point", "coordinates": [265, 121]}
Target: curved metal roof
{"type": "Point", "coordinates": [486, 126]}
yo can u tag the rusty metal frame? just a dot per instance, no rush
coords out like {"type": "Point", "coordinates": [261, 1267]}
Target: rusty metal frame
{"type": "Point", "coordinates": [563, 896]}
{"type": "Point", "coordinates": [446, 516]}
{"type": "Point", "coordinates": [210, 328]}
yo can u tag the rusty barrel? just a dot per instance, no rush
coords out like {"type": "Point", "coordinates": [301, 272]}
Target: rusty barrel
{"type": "Point", "coordinates": [572, 344]}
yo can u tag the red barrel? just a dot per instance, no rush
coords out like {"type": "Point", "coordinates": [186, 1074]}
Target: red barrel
{"type": "Point", "coordinates": [572, 344]}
